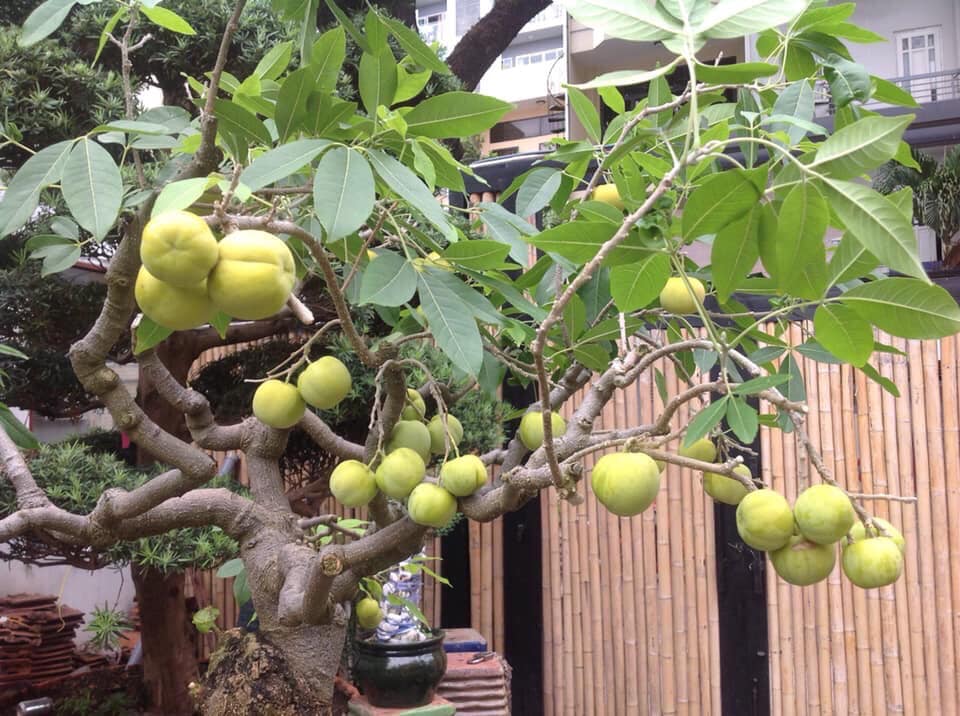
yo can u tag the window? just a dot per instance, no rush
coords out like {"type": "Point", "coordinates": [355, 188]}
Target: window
{"type": "Point", "coordinates": [531, 58]}
{"type": "Point", "coordinates": [430, 26]}
{"type": "Point", "coordinates": [525, 128]}
{"type": "Point", "coordinates": [506, 63]}
{"type": "Point", "coordinates": [918, 57]}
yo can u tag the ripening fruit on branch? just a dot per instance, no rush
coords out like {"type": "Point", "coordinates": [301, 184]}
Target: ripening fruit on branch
{"type": "Point", "coordinates": [435, 428]}
{"type": "Point", "coordinates": [608, 194]}
{"type": "Point", "coordinates": [702, 449]}
{"type": "Point", "coordinates": [725, 489]}
{"type": "Point", "coordinates": [410, 434]}
{"type": "Point", "coordinates": [765, 520]}
{"type": "Point", "coordinates": [431, 506]}
{"type": "Point", "coordinates": [178, 248]}
{"type": "Point", "coordinates": [173, 307]}
{"type": "Point", "coordinates": [414, 407]}
{"type": "Point", "coordinates": [369, 615]}
{"type": "Point", "coordinates": [824, 513]}
{"type": "Point", "coordinates": [626, 483]}
{"type": "Point", "coordinates": [531, 428]}
{"type": "Point", "coordinates": [802, 562]}
{"type": "Point", "coordinates": [324, 383]}
{"type": "Point", "coordinates": [278, 404]}
{"type": "Point", "coordinates": [399, 472]}
{"type": "Point", "coordinates": [353, 484]}
{"type": "Point", "coordinates": [857, 532]}
{"type": "Point", "coordinates": [253, 277]}
{"type": "Point", "coordinates": [872, 562]}
{"type": "Point", "coordinates": [677, 298]}
{"type": "Point", "coordinates": [463, 475]}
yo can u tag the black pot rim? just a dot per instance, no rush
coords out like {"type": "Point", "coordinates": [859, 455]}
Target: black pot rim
{"type": "Point", "coordinates": [402, 648]}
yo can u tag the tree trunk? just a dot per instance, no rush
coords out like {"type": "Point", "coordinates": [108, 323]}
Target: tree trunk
{"type": "Point", "coordinates": [169, 641]}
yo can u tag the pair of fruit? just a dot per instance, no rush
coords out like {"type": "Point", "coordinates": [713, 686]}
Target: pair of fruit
{"type": "Point", "coordinates": [435, 505]}
{"type": "Point", "coordinates": [531, 428]}
{"type": "Point", "coordinates": [187, 276]}
{"type": "Point", "coordinates": [801, 541]}
{"type": "Point", "coordinates": [720, 487]}
{"type": "Point", "coordinates": [323, 384]}
{"type": "Point", "coordinates": [425, 439]}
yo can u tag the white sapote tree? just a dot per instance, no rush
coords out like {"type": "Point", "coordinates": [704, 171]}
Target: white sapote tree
{"type": "Point", "coordinates": [735, 161]}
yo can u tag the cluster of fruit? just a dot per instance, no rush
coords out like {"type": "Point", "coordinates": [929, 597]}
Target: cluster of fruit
{"type": "Point", "coordinates": [188, 276]}
{"type": "Point", "coordinates": [402, 471]}
{"type": "Point", "coordinates": [322, 384]}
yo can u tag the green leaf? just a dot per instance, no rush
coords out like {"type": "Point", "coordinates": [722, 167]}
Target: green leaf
{"type": "Point", "coordinates": [149, 334]}
{"type": "Point", "coordinates": [797, 101]}
{"type": "Point", "coordinates": [275, 62]}
{"type": "Point", "coordinates": [134, 126]}
{"type": "Point", "coordinates": [661, 382]}
{"type": "Point", "coordinates": [179, 195]}
{"type": "Point", "coordinates": [409, 187]}
{"type": "Point", "coordinates": [756, 385]}
{"type": "Point", "coordinates": [848, 81]}
{"type": "Point", "coordinates": [719, 200]}
{"type": "Point", "coordinates": [326, 58]}
{"type": "Point", "coordinates": [241, 589]}
{"type": "Point", "coordinates": [740, 73]}
{"type": "Point", "coordinates": [345, 22]}
{"type": "Point", "coordinates": [742, 420]}
{"type": "Point", "coordinates": [877, 224]}
{"type": "Point", "coordinates": [451, 323]}
{"type": "Point", "coordinates": [737, 18]}
{"type": "Point", "coordinates": [766, 354]}
{"type": "Point", "coordinates": [537, 190]}
{"type": "Point", "coordinates": [378, 80]}
{"type": "Point", "coordinates": [389, 280]}
{"type": "Point", "coordinates": [705, 421]}
{"type": "Point", "coordinates": [22, 195]}
{"type": "Point", "coordinates": [230, 568]}
{"type": "Point", "coordinates": [12, 352]}
{"type": "Point", "coordinates": [22, 438]}
{"type": "Point", "coordinates": [57, 257]}
{"type": "Point", "coordinates": [414, 46]}
{"type": "Point", "coordinates": [239, 128]}
{"type": "Point", "coordinates": [108, 29]}
{"type": "Point", "coordinates": [92, 187]}
{"type": "Point", "coordinates": [801, 254]}
{"type": "Point", "coordinates": [412, 608]}
{"type": "Point", "coordinates": [635, 286]}
{"type": "Point", "coordinates": [885, 383]}
{"type": "Point", "coordinates": [167, 19]}
{"type": "Point", "coordinates": [279, 163]}
{"type": "Point", "coordinates": [613, 98]}
{"type": "Point", "coordinates": [220, 322]}
{"type": "Point", "coordinates": [455, 114]}
{"type": "Point", "coordinates": [343, 192]}
{"type": "Point", "coordinates": [890, 93]}
{"type": "Point", "coordinates": [479, 306]}
{"type": "Point", "coordinates": [849, 261]}
{"type": "Point", "coordinates": [410, 84]}
{"type": "Point", "coordinates": [506, 227]}
{"type": "Point", "coordinates": [794, 389]}
{"type": "Point", "coordinates": [44, 20]}
{"type": "Point", "coordinates": [906, 307]}
{"type": "Point", "coordinates": [844, 333]}
{"type": "Point", "coordinates": [292, 101]}
{"type": "Point", "coordinates": [576, 241]}
{"type": "Point", "coordinates": [813, 350]}
{"type": "Point", "coordinates": [586, 112]}
{"type": "Point", "coordinates": [628, 77]}
{"type": "Point", "coordinates": [307, 29]}
{"type": "Point", "coordinates": [477, 254]}
{"type": "Point", "coordinates": [735, 251]}
{"type": "Point", "coordinates": [632, 20]}
{"type": "Point", "coordinates": [861, 146]}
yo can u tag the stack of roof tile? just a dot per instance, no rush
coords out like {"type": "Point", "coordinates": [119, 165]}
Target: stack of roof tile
{"type": "Point", "coordinates": [481, 688]}
{"type": "Point", "coordinates": [36, 638]}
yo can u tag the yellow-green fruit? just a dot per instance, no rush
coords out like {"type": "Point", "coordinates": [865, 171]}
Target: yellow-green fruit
{"type": "Point", "coordinates": [278, 404]}
{"type": "Point", "coordinates": [410, 434]}
{"type": "Point", "coordinates": [463, 475]}
{"type": "Point", "coordinates": [626, 483]}
{"type": "Point", "coordinates": [661, 465]}
{"type": "Point", "coordinates": [608, 194]}
{"type": "Point", "coordinates": [435, 427]}
{"type": "Point", "coordinates": [765, 520]}
{"type": "Point", "coordinates": [677, 298]}
{"type": "Point", "coordinates": [369, 615]}
{"type": "Point", "coordinates": [430, 505]}
{"type": "Point", "coordinates": [324, 383]}
{"type": "Point", "coordinates": [173, 307]}
{"type": "Point", "coordinates": [253, 277]}
{"type": "Point", "coordinates": [703, 450]}
{"type": "Point", "coordinates": [414, 407]}
{"type": "Point", "coordinates": [178, 248]}
{"type": "Point", "coordinates": [531, 428]}
{"type": "Point", "coordinates": [725, 489]}
{"type": "Point", "coordinates": [399, 472]}
{"type": "Point", "coordinates": [824, 513]}
{"type": "Point", "coordinates": [872, 562]}
{"type": "Point", "coordinates": [857, 532]}
{"type": "Point", "coordinates": [802, 562]}
{"type": "Point", "coordinates": [352, 483]}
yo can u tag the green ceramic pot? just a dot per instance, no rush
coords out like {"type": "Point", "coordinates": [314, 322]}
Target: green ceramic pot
{"type": "Point", "coordinates": [400, 675]}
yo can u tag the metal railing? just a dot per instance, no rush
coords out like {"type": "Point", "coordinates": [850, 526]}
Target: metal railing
{"type": "Point", "coordinates": [925, 88]}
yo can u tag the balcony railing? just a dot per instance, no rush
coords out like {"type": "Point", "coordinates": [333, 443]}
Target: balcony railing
{"type": "Point", "coordinates": [926, 88]}
{"type": "Point", "coordinates": [551, 15]}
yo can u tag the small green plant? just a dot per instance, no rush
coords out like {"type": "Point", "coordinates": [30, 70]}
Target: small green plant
{"type": "Point", "coordinates": [106, 627]}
